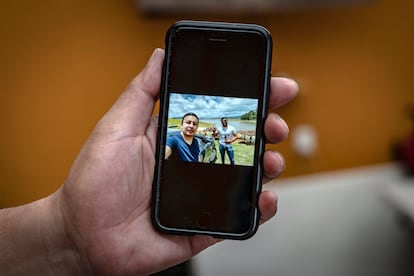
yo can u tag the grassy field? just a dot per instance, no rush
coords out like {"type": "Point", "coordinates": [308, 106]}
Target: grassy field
{"type": "Point", "coordinates": [243, 154]}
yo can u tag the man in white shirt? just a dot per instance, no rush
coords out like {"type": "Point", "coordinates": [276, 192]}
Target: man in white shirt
{"type": "Point", "coordinates": [227, 135]}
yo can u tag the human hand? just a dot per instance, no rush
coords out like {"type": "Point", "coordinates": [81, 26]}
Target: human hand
{"type": "Point", "coordinates": [105, 202]}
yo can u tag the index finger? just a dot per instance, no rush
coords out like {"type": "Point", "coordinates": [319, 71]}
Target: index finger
{"type": "Point", "coordinates": [282, 91]}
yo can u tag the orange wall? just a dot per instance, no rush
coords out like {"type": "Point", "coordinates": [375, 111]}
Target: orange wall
{"type": "Point", "coordinates": [63, 63]}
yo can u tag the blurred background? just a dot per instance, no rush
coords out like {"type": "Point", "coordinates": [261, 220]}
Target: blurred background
{"type": "Point", "coordinates": [63, 64]}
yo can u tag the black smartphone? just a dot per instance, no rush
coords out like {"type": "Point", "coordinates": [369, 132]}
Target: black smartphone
{"type": "Point", "coordinates": [210, 143]}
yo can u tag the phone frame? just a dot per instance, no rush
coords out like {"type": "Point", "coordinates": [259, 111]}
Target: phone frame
{"type": "Point", "coordinates": [162, 126]}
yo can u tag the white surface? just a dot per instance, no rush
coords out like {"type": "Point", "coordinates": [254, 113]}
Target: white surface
{"type": "Point", "coordinates": [400, 195]}
{"type": "Point", "coordinates": [329, 224]}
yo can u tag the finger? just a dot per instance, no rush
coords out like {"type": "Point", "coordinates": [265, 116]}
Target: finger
{"type": "Point", "coordinates": [273, 165]}
{"type": "Point", "coordinates": [130, 114]}
{"type": "Point", "coordinates": [282, 91]}
{"type": "Point", "coordinates": [267, 205]}
{"type": "Point", "coordinates": [201, 242]}
{"type": "Point", "coordinates": [276, 129]}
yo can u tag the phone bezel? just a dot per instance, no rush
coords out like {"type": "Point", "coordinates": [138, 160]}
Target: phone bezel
{"type": "Point", "coordinates": [164, 101]}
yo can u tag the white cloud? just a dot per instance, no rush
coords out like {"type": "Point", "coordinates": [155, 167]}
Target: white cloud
{"type": "Point", "coordinates": [209, 106]}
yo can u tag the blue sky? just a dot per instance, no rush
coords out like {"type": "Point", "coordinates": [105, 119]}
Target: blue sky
{"type": "Point", "coordinates": [209, 106]}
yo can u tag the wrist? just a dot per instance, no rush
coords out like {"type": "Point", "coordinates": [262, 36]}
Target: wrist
{"type": "Point", "coordinates": [33, 240]}
{"type": "Point", "coordinates": [59, 249]}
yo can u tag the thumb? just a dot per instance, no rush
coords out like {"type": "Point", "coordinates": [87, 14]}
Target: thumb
{"type": "Point", "coordinates": [131, 113]}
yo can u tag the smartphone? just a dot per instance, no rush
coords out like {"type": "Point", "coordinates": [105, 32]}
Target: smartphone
{"type": "Point", "coordinates": [210, 142]}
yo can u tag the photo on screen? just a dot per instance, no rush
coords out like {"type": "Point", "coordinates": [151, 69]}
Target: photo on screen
{"type": "Point", "coordinates": [211, 129]}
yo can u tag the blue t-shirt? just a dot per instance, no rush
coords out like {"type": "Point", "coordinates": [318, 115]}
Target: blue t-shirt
{"type": "Point", "coordinates": [181, 150]}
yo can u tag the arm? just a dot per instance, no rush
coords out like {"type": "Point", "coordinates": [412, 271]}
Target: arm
{"type": "Point", "coordinates": [215, 133]}
{"type": "Point", "coordinates": [233, 137]}
{"type": "Point", "coordinates": [168, 152]}
{"type": "Point", "coordinates": [33, 241]}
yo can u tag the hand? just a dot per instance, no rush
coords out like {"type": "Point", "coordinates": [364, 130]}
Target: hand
{"type": "Point", "coordinates": [105, 201]}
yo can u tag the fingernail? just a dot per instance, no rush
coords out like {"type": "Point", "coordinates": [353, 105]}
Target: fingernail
{"type": "Point", "coordinates": [155, 54]}
{"type": "Point", "coordinates": [284, 125]}
{"type": "Point", "coordinates": [282, 166]}
{"type": "Point", "coordinates": [294, 83]}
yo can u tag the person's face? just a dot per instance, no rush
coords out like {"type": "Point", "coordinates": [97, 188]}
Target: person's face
{"type": "Point", "coordinates": [189, 125]}
{"type": "Point", "coordinates": [224, 122]}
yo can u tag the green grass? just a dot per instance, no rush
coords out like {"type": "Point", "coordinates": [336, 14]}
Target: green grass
{"type": "Point", "coordinates": [243, 154]}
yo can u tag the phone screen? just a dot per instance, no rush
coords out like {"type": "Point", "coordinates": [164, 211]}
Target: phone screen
{"type": "Point", "coordinates": [210, 140]}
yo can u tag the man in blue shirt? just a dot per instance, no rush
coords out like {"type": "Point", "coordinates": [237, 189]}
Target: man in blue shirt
{"type": "Point", "coordinates": [183, 146]}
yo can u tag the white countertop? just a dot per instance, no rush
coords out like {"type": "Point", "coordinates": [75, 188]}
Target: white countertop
{"type": "Point", "coordinates": [400, 195]}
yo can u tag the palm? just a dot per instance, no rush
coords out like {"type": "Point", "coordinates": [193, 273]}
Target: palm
{"type": "Point", "coordinates": [117, 219]}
